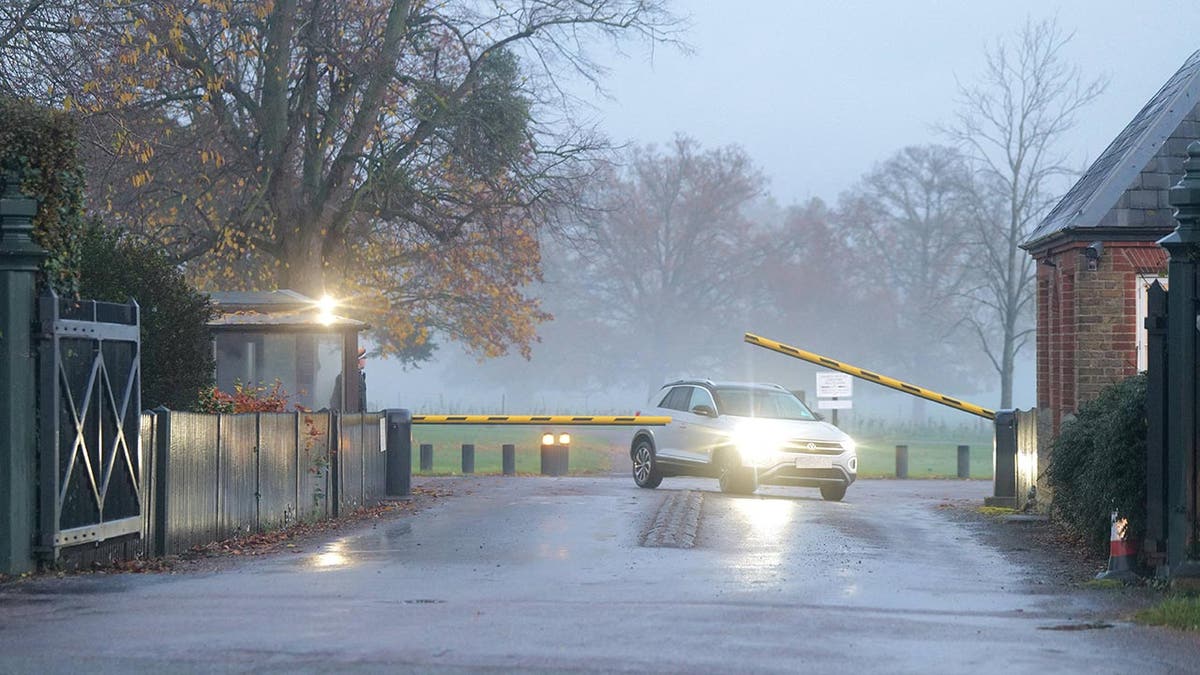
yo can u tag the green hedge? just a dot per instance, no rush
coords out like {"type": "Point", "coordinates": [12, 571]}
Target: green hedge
{"type": "Point", "coordinates": [41, 145]}
{"type": "Point", "coordinates": [1098, 463]}
{"type": "Point", "coordinates": [177, 356]}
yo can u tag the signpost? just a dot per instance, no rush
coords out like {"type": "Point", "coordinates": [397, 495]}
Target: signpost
{"type": "Point", "coordinates": [834, 391]}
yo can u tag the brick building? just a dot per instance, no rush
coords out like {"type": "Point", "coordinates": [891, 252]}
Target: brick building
{"type": "Point", "coordinates": [1097, 252]}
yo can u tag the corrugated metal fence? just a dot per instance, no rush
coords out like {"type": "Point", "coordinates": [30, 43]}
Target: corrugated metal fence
{"type": "Point", "coordinates": [217, 476]}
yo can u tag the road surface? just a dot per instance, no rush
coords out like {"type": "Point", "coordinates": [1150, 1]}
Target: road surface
{"type": "Point", "coordinates": [593, 574]}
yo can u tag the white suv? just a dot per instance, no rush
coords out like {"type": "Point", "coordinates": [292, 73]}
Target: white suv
{"type": "Point", "coordinates": [745, 435]}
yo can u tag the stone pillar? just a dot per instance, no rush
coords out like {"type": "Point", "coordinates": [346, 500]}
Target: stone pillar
{"type": "Point", "coordinates": [1183, 245]}
{"type": "Point", "coordinates": [19, 261]}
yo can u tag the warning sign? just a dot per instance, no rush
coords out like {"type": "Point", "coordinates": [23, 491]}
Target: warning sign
{"type": "Point", "coordinates": [834, 385]}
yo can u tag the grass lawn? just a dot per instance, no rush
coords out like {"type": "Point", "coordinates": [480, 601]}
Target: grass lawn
{"type": "Point", "coordinates": [926, 458]}
{"type": "Point", "coordinates": [1180, 612]}
{"type": "Point", "coordinates": [590, 447]}
{"type": "Point", "coordinates": [592, 450]}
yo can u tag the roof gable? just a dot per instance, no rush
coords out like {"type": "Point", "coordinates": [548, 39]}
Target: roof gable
{"type": "Point", "coordinates": [1114, 179]}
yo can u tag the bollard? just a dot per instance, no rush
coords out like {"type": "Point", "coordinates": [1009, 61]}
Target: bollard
{"type": "Point", "coordinates": [399, 452]}
{"type": "Point", "coordinates": [426, 457]}
{"type": "Point", "coordinates": [468, 458]}
{"type": "Point", "coordinates": [901, 461]}
{"type": "Point", "coordinates": [509, 459]}
{"type": "Point", "coordinates": [964, 461]}
{"type": "Point", "coordinates": [555, 455]}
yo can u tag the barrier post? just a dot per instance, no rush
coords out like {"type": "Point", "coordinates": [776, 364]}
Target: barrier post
{"type": "Point", "coordinates": [964, 461]}
{"type": "Point", "coordinates": [1004, 458]}
{"type": "Point", "coordinates": [399, 452]}
{"type": "Point", "coordinates": [509, 459]}
{"type": "Point", "coordinates": [426, 457]}
{"type": "Point", "coordinates": [901, 461]}
{"type": "Point", "coordinates": [468, 458]}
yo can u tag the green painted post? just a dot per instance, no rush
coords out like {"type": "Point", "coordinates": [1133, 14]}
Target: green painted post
{"type": "Point", "coordinates": [1183, 245]}
{"type": "Point", "coordinates": [19, 260]}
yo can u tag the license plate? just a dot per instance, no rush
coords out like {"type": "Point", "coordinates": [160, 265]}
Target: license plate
{"type": "Point", "coordinates": [812, 462]}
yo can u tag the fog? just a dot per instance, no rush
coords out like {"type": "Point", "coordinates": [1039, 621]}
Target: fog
{"type": "Point", "coordinates": [817, 94]}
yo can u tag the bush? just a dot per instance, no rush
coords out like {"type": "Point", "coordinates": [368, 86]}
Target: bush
{"type": "Point", "coordinates": [177, 353]}
{"type": "Point", "coordinates": [1098, 463]}
{"type": "Point", "coordinates": [41, 145]}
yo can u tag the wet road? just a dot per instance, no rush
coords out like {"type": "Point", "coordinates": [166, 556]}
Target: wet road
{"type": "Point", "coordinates": [571, 574]}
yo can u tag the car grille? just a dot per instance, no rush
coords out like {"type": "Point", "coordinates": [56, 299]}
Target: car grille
{"type": "Point", "coordinates": [814, 447]}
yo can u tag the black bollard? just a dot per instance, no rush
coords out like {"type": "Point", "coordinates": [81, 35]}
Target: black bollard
{"type": "Point", "coordinates": [426, 457]}
{"type": "Point", "coordinates": [468, 458]}
{"type": "Point", "coordinates": [509, 459]}
{"type": "Point", "coordinates": [901, 461]}
{"type": "Point", "coordinates": [964, 461]}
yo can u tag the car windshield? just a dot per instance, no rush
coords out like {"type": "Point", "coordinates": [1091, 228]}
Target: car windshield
{"type": "Point", "coordinates": [744, 402]}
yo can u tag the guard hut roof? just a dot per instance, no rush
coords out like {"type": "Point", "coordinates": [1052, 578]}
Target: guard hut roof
{"type": "Point", "coordinates": [1112, 200]}
{"type": "Point", "coordinates": [283, 310]}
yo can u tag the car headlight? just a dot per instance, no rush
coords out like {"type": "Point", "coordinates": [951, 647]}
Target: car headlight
{"type": "Point", "coordinates": [756, 448]}
{"type": "Point", "coordinates": [848, 444]}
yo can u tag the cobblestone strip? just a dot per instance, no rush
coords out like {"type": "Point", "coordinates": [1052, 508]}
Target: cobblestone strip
{"type": "Point", "coordinates": [676, 522]}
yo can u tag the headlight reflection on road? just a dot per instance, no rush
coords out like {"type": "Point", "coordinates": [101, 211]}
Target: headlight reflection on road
{"type": "Point", "coordinates": [766, 524]}
{"type": "Point", "coordinates": [333, 556]}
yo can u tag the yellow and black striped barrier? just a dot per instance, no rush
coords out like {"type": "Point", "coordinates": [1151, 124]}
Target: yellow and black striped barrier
{"type": "Point", "coordinates": [556, 420]}
{"type": "Point", "coordinates": [869, 376]}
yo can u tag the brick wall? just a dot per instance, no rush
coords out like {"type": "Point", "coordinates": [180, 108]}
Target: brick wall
{"type": "Point", "coordinates": [1087, 321]}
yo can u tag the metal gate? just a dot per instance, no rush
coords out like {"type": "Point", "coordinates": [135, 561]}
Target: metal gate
{"type": "Point", "coordinates": [91, 475]}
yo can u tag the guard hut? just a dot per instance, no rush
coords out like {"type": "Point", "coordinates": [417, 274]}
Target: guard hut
{"type": "Point", "coordinates": [263, 336]}
{"type": "Point", "coordinates": [1097, 253]}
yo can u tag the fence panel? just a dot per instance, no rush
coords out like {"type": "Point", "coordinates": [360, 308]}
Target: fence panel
{"type": "Point", "coordinates": [374, 436]}
{"type": "Point", "coordinates": [350, 462]}
{"type": "Point", "coordinates": [238, 462]}
{"type": "Point", "coordinates": [278, 483]}
{"type": "Point", "coordinates": [188, 475]}
{"type": "Point", "coordinates": [314, 467]}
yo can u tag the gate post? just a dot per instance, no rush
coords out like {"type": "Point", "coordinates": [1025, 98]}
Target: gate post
{"type": "Point", "coordinates": [1183, 246]}
{"type": "Point", "coordinates": [399, 452]}
{"type": "Point", "coordinates": [19, 261]}
{"type": "Point", "coordinates": [1157, 508]}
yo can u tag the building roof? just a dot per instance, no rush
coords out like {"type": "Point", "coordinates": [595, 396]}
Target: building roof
{"type": "Point", "coordinates": [1087, 203]}
{"type": "Point", "coordinates": [281, 310]}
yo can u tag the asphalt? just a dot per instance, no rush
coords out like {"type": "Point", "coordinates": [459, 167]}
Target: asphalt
{"type": "Point", "coordinates": [594, 574]}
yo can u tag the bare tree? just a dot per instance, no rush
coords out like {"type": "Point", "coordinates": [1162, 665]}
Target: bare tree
{"type": "Point", "coordinates": [1011, 124]}
{"type": "Point", "coordinates": [907, 218]}
{"type": "Point", "coordinates": [663, 263]}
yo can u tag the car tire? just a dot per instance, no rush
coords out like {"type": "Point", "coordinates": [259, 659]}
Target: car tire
{"type": "Point", "coordinates": [833, 493]}
{"type": "Point", "coordinates": [736, 479]}
{"type": "Point", "coordinates": [645, 466]}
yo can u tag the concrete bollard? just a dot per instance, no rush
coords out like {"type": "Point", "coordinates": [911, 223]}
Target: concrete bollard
{"type": "Point", "coordinates": [508, 454]}
{"type": "Point", "coordinates": [468, 458]}
{"type": "Point", "coordinates": [901, 461]}
{"type": "Point", "coordinates": [964, 461]}
{"type": "Point", "coordinates": [426, 457]}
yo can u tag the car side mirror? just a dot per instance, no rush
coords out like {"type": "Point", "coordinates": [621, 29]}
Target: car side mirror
{"type": "Point", "coordinates": [704, 410]}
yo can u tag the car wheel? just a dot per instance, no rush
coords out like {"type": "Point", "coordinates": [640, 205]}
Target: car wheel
{"type": "Point", "coordinates": [645, 469]}
{"type": "Point", "coordinates": [735, 478]}
{"type": "Point", "coordinates": [833, 493]}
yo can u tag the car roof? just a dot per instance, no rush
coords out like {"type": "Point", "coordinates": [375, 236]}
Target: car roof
{"type": "Point", "coordinates": [709, 384]}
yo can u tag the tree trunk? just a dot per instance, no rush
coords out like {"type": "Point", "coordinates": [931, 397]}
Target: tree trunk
{"type": "Point", "coordinates": [304, 263]}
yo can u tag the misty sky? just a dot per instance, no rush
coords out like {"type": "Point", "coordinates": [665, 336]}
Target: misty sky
{"type": "Point", "coordinates": [818, 91]}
